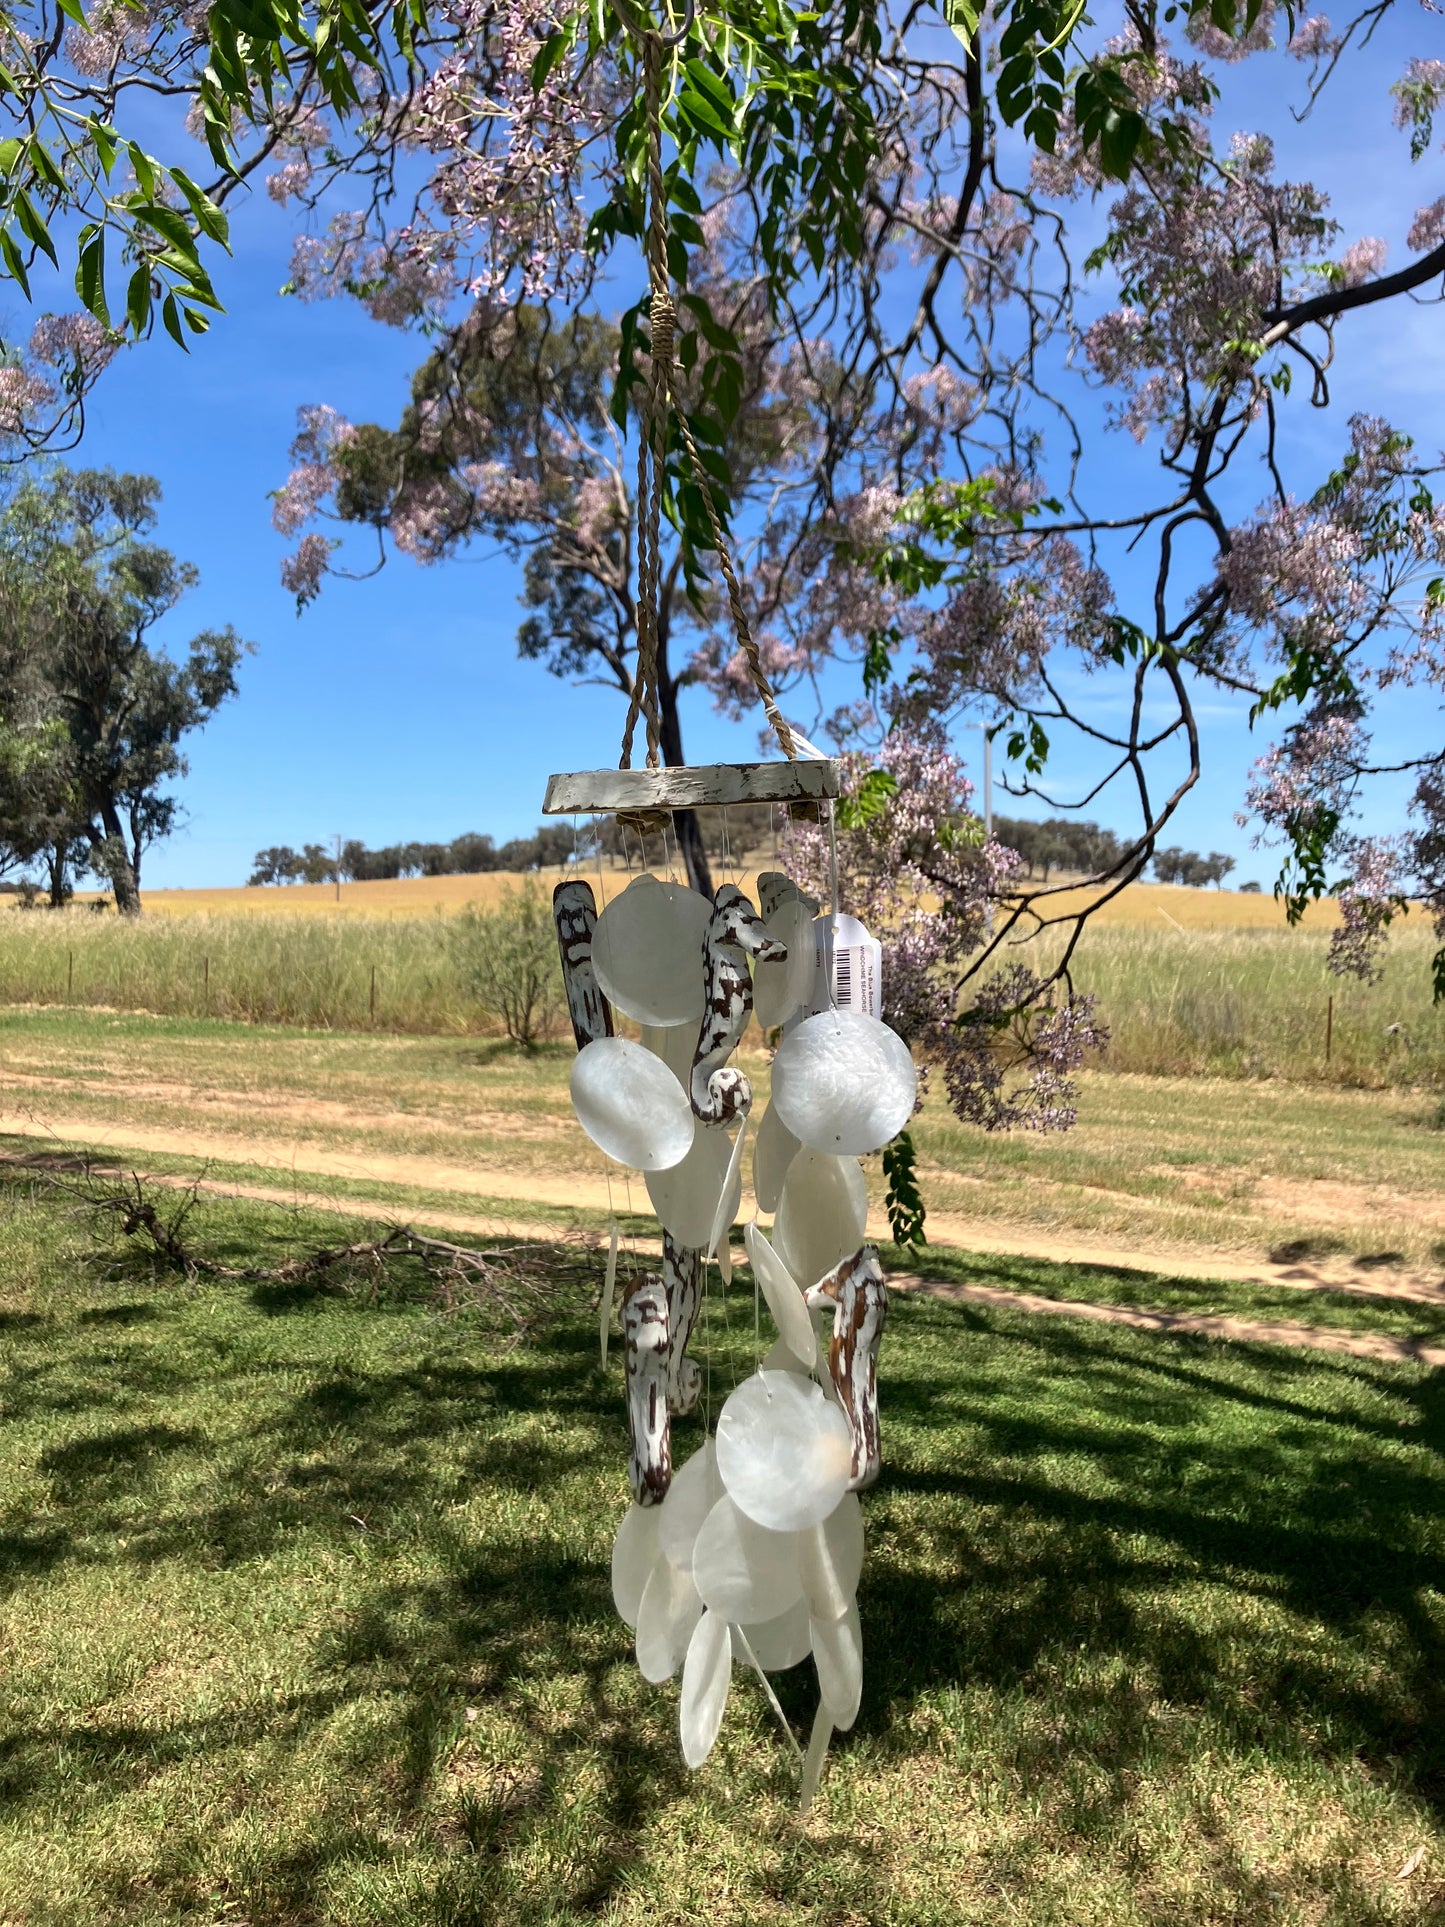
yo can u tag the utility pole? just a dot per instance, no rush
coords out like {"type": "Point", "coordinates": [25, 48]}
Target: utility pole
{"type": "Point", "coordinates": [988, 729]}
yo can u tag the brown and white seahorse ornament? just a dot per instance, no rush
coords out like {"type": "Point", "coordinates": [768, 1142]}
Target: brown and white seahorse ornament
{"type": "Point", "coordinates": [574, 911]}
{"type": "Point", "coordinates": [645, 1338]}
{"type": "Point", "coordinates": [682, 1279]}
{"type": "Point", "coordinates": [734, 933]}
{"type": "Point", "coordinates": [859, 1297]}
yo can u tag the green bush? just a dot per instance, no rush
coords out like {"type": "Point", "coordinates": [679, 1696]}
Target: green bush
{"type": "Point", "coordinates": [507, 957]}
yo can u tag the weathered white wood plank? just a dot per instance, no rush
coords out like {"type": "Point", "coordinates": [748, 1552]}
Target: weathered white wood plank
{"type": "Point", "coordinates": [601, 791]}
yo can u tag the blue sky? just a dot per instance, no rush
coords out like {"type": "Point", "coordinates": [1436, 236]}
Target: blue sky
{"type": "Point", "coordinates": [396, 708]}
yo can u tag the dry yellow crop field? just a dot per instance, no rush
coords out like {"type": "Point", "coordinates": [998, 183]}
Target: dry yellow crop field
{"type": "Point", "coordinates": [1156, 905]}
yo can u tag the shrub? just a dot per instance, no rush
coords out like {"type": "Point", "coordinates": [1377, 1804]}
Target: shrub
{"type": "Point", "coordinates": [508, 957]}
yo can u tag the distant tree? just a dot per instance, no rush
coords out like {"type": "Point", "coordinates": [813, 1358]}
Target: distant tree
{"type": "Point", "coordinates": [1250, 889]}
{"type": "Point", "coordinates": [472, 855]}
{"type": "Point", "coordinates": [279, 864]}
{"type": "Point", "coordinates": [318, 864]}
{"type": "Point", "coordinates": [99, 713]}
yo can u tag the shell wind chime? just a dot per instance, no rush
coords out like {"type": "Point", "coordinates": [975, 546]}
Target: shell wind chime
{"type": "Point", "coordinates": [750, 1548]}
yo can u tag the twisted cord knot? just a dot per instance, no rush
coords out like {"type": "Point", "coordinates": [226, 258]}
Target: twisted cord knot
{"type": "Point", "coordinates": [664, 326]}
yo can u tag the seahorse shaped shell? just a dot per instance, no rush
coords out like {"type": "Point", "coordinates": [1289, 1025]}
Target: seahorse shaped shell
{"type": "Point", "coordinates": [682, 1279]}
{"type": "Point", "coordinates": [734, 933]}
{"type": "Point", "coordinates": [859, 1297]}
{"type": "Point", "coordinates": [644, 1330]}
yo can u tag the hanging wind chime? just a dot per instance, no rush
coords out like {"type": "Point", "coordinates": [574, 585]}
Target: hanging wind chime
{"type": "Point", "coordinates": [751, 1549]}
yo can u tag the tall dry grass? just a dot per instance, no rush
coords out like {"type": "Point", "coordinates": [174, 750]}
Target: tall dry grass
{"type": "Point", "coordinates": [1261, 1003]}
{"type": "Point", "coordinates": [1226, 1002]}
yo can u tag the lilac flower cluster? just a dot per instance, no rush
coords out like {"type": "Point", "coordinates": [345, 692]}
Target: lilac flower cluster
{"type": "Point", "coordinates": [915, 865]}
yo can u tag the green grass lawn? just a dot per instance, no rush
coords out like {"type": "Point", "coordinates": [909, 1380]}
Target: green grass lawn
{"type": "Point", "coordinates": [306, 1619]}
{"type": "Point", "coordinates": [1161, 1164]}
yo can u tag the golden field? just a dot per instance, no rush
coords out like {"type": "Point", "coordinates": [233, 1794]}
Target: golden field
{"type": "Point", "coordinates": [1156, 905]}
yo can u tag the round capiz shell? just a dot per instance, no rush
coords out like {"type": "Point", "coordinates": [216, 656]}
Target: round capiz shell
{"type": "Point", "coordinates": [630, 1105]}
{"type": "Point", "coordinates": [706, 1676]}
{"type": "Point", "coordinates": [695, 1490]}
{"type": "Point", "coordinates": [743, 1571]}
{"type": "Point", "coordinates": [784, 1298]}
{"type": "Point", "coordinates": [647, 951]}
{"type": "Point", "coordinates": [675, 1044]}
{"type": "Point", "coordinates": [822, 1215]}
{"type": "Point", "coordinates": [838, 1656]}
{"type": "Point", "coordinates": [782, 985]}
{"type": "Point", "coordinates": [666, 1615]}
{"type": "Point", "coordinates": [830, 1559]}
{"type": "Point", "coordinates": [686, 1196]}
{"type": "Point", "coordinates": [784, 1453]}
{"type": "Point", "coordinates": [844, 1082]}
{"type": "Point", "coordinates": [773, 1151]}
{"type": "Point", "coordinates": [782, 1642]}
{"type": "Point", "coordinates": [634, 1554]}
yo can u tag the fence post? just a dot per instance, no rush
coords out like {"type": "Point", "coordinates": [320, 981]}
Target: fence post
{"type": "Point", "coordinates": [206, 975]}
{"type": "Point", "coordinates": [373, 993]}
{"type": "Point", "coordinates": [1330, 1027]}
{"type": "Point", "coordinates": [69, 975]}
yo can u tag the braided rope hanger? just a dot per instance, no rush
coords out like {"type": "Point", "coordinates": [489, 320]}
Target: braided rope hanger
{"type": "Point", "coordinates": [652, 456]}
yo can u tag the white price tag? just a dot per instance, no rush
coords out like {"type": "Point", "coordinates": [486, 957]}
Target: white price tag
{"type": "Point", "coordinates": [847, 970]}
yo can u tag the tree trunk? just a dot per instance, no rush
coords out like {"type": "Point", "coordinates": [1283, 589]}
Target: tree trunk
{"type": "Point", "coordinates": [55, 864]}
{"type": "Point", "coordinates": [117, 862]}
{"type": "Point", "coordinates": [685, 824]}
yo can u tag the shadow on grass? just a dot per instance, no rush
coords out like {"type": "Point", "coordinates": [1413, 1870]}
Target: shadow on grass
{"type": "Point", "coordinates": [1123, 1552]}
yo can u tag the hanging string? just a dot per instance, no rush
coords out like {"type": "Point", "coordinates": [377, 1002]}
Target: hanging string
{"type": "Point", "coordinates": [652, 461]}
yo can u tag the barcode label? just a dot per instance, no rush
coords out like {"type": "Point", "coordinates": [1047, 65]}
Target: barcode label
{"type": "Point", "coordinates": [847, 970]}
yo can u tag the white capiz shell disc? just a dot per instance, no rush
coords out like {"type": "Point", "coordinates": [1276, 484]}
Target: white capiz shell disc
{"type": "Point", "coordinates": [720, 1231]}
{"type": "Point", "coordinates": [838, 1656]}
{"type": "Point", "coordinates": [844, 1082]}
{"type": "Point", "coordinates": [743, 1571]}
{"type": "Point", "coordinates": [706, 1675]}
{"type": "Point", "coordinates": [675, 1044]}
{"type": "Point", "coordinates": [830, 1559]}
{"type": "Point", "coordinates": [647, 951]}
{"type": "Point", "coordinates": [782, 1642]}
{"type": "Point", "coordinates": [634, 1554]}
{"type": "Point", "coordinates": [773, 1151]}
{"type": "Point", "coordinates": [784, 1298]}
{"type": "Point", "coordinates": [696, 1488]}
{"type": "Point", "coordinates": [780, 986]}
{"type": "Point", "coordinates": [630, 1105]}
{"type": "Point", "coordinates": [822, 1215]}
{"type": "Point", "coordinates": [781, 1358]}
{"type": "Point", "coordinates": [783, 1451]}
{"type": "Point", "coordinates": [666, 1615]}
{"type": "Point", "coordinates": [686, 1195]}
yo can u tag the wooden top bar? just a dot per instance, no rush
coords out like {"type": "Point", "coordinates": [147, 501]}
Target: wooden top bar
{"type": "Point", "coordinates": [600, 792]}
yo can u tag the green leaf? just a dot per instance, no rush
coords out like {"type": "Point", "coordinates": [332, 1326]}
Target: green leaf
{"type": "Point", "coordinates": [106, 141]}
{"type": "Point", "coordinates": [13, 262]}
{"type": "Point", "coordinates": [35, 229]}
{"type": "Point", "coordinates": [868, 801]}
{"type": "Point", "coordinates": [210, 219]}
{"type": "Point", "coordinates": [90, 273]}
{"type": "Point", "coordinates": [962, 18]}
{"type": "Point", "coordinates": [171, 318]}
{"type": "Point", "coordinates": [138, 300]}
{"type": "Point", "coordinates": [907, 1213]}
{"type": "Point", "coordinates": [170, 225]}
{"type": "Point", "coordinates": [73, 10]}
{"type": "Point", "coordinates": [144, 168]}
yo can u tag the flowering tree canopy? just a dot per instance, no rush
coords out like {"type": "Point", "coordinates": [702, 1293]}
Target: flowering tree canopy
{"type": "Point", "coordinates": [898, 358]}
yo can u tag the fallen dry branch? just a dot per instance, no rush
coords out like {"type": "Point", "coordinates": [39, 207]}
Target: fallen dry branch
{"type": "Point", "coordinates": [517, 1279]}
